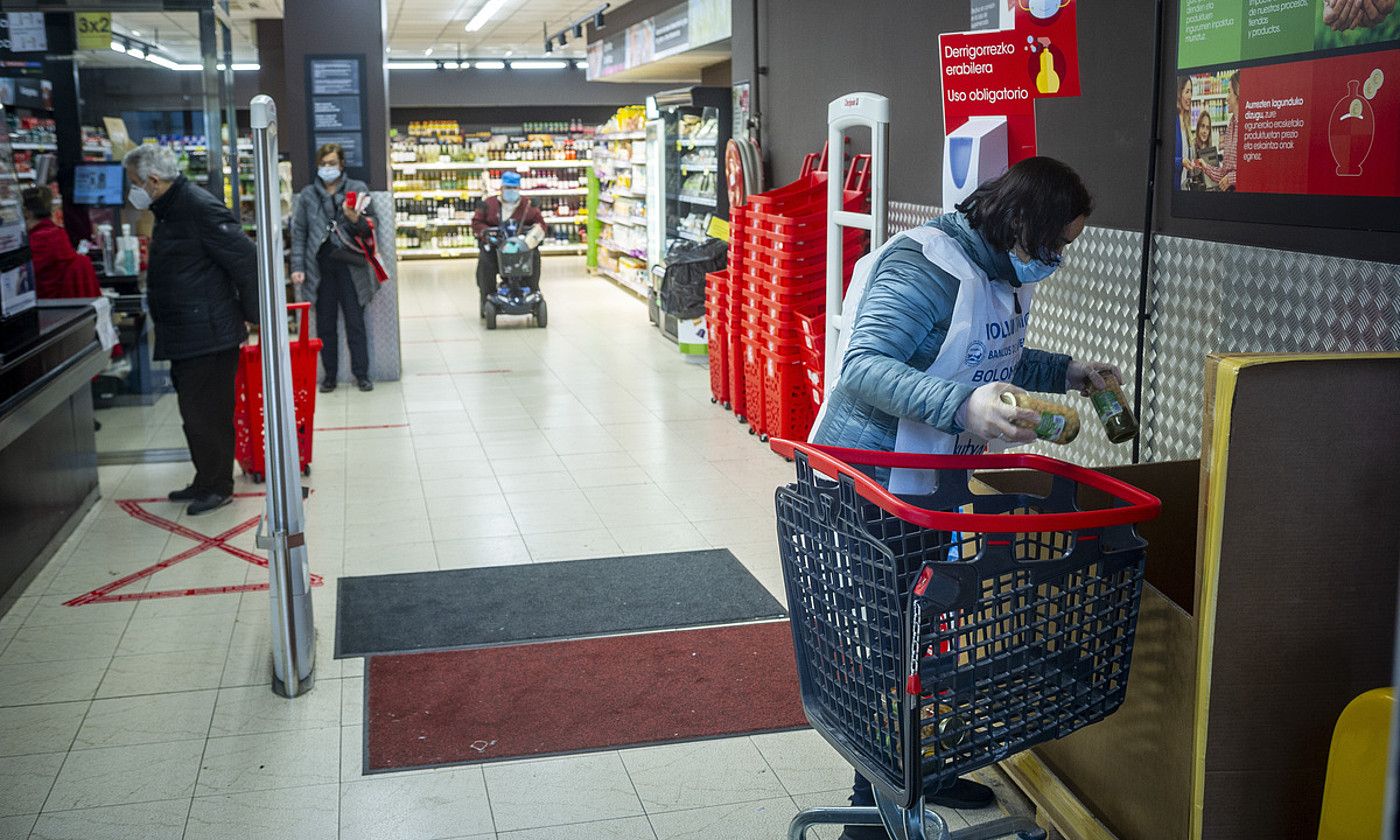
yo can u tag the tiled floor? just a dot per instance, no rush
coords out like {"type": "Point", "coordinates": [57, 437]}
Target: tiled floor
{"type": "Point", "coordinates": [594, 437]}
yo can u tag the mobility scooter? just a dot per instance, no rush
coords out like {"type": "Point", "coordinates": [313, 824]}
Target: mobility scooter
{"type": "Point", "coordinates": [516, 260]}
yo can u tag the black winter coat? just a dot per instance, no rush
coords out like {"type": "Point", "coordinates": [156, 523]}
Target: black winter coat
{"type": "Point", "coordinates": [201, 274]}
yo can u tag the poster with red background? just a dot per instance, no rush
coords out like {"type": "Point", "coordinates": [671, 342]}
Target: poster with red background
{"type": "Point", "coordinates": [1322, 127]}
{"type": "Point", "coordinates": [1002, 73]}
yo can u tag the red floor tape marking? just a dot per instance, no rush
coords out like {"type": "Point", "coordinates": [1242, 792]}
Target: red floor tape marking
{"type": "Point", "coordinates": [204, 542]}
{"type": "Point", "coordinates": [361, 428]}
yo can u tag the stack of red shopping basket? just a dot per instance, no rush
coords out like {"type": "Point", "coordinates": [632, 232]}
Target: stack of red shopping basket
{"type": "Point", "coordinates": [768, 310]}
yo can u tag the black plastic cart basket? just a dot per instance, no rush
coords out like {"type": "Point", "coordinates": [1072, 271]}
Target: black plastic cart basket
{"type": "Point", "coordinates": [941, 633]}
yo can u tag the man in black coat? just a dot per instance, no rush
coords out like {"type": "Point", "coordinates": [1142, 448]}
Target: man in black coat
{"type": "Point", "coordinates": [202, 286]}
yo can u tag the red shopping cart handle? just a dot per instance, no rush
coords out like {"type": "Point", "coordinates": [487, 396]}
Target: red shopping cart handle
{"type": "Point", "coordinates": [835, 461]}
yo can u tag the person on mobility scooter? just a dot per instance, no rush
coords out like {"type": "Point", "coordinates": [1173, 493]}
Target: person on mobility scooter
{"type": "Point", "coordinates": [509, 229]}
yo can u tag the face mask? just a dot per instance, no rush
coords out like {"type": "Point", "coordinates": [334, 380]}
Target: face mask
{"type": "Point", "coordinates": [510, 196]}
{"type": "Point", "coordinates": [1032, 271]}
{"type": "Point", "coordinates": [328, 174]}
{"type": "Point", "coordinates": [139, 198]}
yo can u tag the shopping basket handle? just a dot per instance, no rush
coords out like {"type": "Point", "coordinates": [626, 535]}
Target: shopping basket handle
{"type": "Point", "coordinates": [858, 176]}
{"type": "Point", "coordinates": [304, 309]}
{"type": "Point", "coordinates": [1139, 506]}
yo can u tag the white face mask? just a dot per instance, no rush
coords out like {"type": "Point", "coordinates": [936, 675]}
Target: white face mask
{"type": "Point", "coordinates": [139, 198]}
{"type": "Point", "coordinates": [328, 174]}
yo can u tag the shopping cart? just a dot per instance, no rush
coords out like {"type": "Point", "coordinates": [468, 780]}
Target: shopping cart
{"type": "Point", "coordinates": [939, 634]}
{"type": "Point", "coordinates": [250, 449]}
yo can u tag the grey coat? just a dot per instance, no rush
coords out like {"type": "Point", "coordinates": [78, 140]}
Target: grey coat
{"type": "Point", "coordinates": [311, 224]}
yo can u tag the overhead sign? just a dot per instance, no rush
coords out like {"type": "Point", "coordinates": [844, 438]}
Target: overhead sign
{"type": "Point", "coordinates": [23, 32]}
{"type": "Point", "coordinates": [94, 30]}
{"type": "Point", "coordinates": [681, 28]}
{"type": "Point", "coordinates": [1003, 72]}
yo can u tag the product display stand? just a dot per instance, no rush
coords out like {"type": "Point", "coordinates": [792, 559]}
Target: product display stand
{"type": "Point", "coordinates": [441, 176]}
{"type": "Point", "coordinates": [620, 229]}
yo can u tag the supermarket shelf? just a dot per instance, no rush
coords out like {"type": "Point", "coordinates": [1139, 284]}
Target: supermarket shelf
{"type": "Point", "coordinates": [96, 149]}
{"type": "Point", "coordinates": [569, 191]}
{"type": "Point", "coordinates": [630, 222]}
{"type": "Point", "coordinates": [442, 253]}
{"type": "Point", "coordinates": [627, 285]}
{"type": "Point", "coordinates": [438, 194]}
{"type": "Point", "coordinates": [626, 135]}
{"type": "Point", "coordinates": [618, 249]}
{"type": "Point", "coordinates": [706, 167]}
{"type": "Point", "coordinates": [693, 143]}
{"type": "Point", "coordinates": [432, 223]}
{"type": "Point", "coordinates": [34, 147]}
{"type": "Point", "coordinates": [621, 194]}
{"type": "Point", "coordinates": [26, 176]}
{"type": "Point", "coordinates": [698, 199]}
{"type": "Point", "coordinates": [495, 164]}
{"type": "Point", "coordinates": [693, 237]}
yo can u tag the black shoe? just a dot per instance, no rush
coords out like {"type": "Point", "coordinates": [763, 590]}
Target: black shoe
{"type": "Point", "coordinates": [363, 383]}
{"type": "Point", "coordinates": [963, 794]}
{"type": "Point", "coordinates": [206, 503]}
{"type": "Point", "coordinates": [327, 385]}
{"type": "Point", "coordinates": [188, 494]}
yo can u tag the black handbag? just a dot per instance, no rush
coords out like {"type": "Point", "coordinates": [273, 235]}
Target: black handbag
{"type": "Point", "coordinates": [345, 246]}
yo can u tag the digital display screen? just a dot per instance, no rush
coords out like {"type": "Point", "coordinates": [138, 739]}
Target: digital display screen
{"type": "Point", "coordinates": [99, 184]}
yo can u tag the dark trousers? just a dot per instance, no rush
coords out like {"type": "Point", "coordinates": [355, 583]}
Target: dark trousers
{"type": "Point", "coordinates": [204, 388]}
{"type": "Point", "coordinates": [335, 294]}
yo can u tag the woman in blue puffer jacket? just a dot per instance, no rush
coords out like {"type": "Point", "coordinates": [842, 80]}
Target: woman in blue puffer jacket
{"type": "Point", "coordinates": [941, 313]}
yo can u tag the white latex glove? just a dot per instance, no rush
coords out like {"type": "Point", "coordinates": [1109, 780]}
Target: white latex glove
{"type": "Point", "coordinates": [984, 415]}
{"type": "Point", "coordinates": [534, 236]}
{"type": "Point", "coordinates": [1084, 376]}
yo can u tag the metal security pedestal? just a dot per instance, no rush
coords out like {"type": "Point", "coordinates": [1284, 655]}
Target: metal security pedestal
{"type": "Point", "coordinates": [854, 110]}
{"type": "Point", "coordinates": [281, 531]}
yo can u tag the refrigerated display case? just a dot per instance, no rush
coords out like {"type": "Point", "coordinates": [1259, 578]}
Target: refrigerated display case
{"type": "Point", "coordinates": [686, 130]}
{"type": "Point", "coordinates": [17, 284]}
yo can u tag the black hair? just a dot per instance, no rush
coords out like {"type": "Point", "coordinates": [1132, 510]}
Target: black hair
{"type": "Point", "coordinates": [1029, 205]}
{"type": "Point", "coordinates": [38, 202]}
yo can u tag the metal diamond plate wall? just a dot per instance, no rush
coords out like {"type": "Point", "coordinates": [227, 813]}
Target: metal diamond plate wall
{"type": "Point", "coordinates": [1217, 297]}
{"type": "Point", "coordinates": [382, 313]}
{"type": "Point", "coordinates": [1205, 297]}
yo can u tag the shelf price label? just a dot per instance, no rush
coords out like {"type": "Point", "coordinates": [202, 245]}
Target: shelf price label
{"type": "Point", "coordinates": [94, 30]}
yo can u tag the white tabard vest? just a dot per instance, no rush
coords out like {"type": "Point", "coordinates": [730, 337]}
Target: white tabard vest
{"type": "Point", "coordinates": [984, 343]}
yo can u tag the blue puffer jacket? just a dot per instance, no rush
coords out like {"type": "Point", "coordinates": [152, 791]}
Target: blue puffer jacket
{"type": "Point", "coordinates": [899, 328]}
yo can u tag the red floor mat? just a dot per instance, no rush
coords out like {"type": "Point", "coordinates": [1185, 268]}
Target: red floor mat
{"type": "Point", "coordinates": [455, 707]}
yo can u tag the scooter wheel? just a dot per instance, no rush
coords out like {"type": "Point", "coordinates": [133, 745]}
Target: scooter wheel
{"type": "Point", "coordinates": [490, 315]}
{"type": "Point", "coordinates": [541, 315]}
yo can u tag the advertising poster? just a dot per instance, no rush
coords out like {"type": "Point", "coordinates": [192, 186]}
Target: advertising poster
{"type": "Point", "coordinates": [1288, 111]}
{"type": "Point", "coordinates": [1003, 72]}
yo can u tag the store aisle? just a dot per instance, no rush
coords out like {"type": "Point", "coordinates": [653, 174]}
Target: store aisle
{"type": "Point", "coordinates": [153, 718]}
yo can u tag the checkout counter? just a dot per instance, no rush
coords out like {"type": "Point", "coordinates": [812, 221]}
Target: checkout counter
{"type": "Point", "coordinates": [48, 451]}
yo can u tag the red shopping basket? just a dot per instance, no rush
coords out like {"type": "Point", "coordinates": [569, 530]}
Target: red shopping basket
{"type": "Point", "coordinates": [250, 449]}
{"type": "Point", "coordinates": [717, 319]}
{"type": "Point", "coordinates": [919, 670]}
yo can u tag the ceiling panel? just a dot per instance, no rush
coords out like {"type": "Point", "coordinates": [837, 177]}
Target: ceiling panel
{"type": "Point", "coordinates": [414, 27]}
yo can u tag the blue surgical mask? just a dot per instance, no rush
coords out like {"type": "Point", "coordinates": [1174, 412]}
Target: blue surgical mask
{"type": "Point", "coordinates": [510, 195]}
{"type": "Point", "coordinates": [1032, 271]}
{"type": "Point", "coordinates": [328, 174]}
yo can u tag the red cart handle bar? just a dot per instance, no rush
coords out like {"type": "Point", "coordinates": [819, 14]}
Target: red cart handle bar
{"type": "Point", "coordinates": [837, 461]}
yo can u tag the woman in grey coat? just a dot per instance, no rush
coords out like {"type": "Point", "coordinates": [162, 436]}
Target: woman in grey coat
{"type": "Point", "coordinates": [334, 286]}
